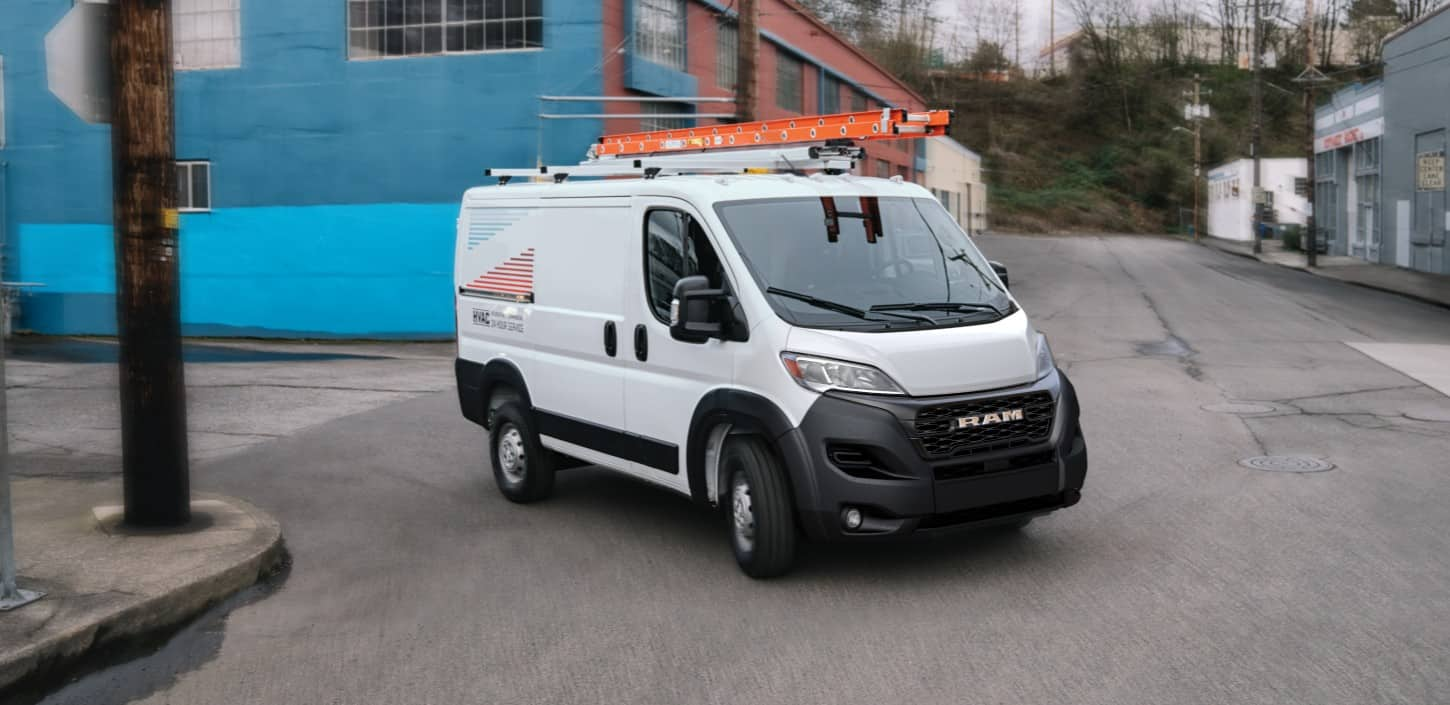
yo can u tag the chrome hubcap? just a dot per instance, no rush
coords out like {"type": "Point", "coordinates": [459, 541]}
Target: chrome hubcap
{"type": "Point", "coordinates": [511, 455]}
{"type": "Point", "coordinates": [743, 513]}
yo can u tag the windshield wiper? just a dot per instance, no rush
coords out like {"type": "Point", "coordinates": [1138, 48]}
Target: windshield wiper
{"type": "Point", "coordinates": [852, 311]}
{"type": "Point", "coordinates": [959, 306]}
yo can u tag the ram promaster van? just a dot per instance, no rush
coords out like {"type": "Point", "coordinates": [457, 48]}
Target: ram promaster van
{"type": "Point", "coordinates": [812, 354]}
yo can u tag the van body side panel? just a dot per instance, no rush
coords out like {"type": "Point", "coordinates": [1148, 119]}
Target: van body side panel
{"type": "Point", "coordinates": [538, 280]}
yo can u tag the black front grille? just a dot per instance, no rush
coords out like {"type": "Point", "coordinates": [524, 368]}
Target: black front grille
{"type": "Point", "coordinates": [940, 432]}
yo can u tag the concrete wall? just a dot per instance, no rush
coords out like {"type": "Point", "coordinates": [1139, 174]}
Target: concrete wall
{"type": "Point", "coordinates": [334, 182]}
{"type": "Point", "coordinates": [1230, 196]}
{"type": "Point", "coordinates": [954, 174]}
{"type": "Point", "coordinates": [1417, 114]}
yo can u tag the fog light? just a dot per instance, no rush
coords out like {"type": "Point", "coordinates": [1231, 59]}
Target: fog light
{"type": "Point", "coordinates": [851, 517]}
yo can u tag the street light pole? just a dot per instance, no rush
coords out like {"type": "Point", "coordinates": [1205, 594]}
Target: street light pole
{"type": "Point", "coordinates": [1310, 236]}
{"type": "Point", "coordinates": [1258, 129]}
{"type": "Point", "coordinates": [155, 478]}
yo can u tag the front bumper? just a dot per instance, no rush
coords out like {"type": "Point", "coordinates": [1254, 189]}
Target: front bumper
{"type": "Point", "coordinates": [900, 490]}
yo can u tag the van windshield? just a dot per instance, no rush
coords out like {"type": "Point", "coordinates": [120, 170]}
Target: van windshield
{"type": "Point", "coordinates": [833, 263]}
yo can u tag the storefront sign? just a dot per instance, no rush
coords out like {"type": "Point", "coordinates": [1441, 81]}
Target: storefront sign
{"type": "Point", "coordinates": [1430, 171]}
{"type": "Point", "coordinates": [1344, 138]}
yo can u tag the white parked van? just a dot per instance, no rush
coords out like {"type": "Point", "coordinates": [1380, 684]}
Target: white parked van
{"type": "Point", "coordinates": [820, 355]}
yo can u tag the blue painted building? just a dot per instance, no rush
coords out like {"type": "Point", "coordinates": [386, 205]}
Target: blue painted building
{"type": "Point", "coordinates": [324, 145]}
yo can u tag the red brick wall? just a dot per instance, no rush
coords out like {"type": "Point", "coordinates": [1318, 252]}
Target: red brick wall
{"type": "Point", "coordinates": [790, 23]}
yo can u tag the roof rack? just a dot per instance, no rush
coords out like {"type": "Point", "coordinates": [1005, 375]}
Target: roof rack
{"type": "Point", "coordinates": [831, 159]}
{"type": "Point", "coordinates": [756, 147]}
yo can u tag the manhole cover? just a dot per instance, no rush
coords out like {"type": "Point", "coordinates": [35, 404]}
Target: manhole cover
{"type": "Point", "coordinates": [1238, 408]}
{"type": "Point", "coordinates": [1287, 463]}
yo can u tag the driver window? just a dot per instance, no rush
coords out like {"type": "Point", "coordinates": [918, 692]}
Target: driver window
{"type": "Point", "coordinates": [676, 247]}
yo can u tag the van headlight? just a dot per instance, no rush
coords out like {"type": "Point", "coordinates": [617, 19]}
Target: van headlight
{"type": "Point", "coordinates": [1045, 363]}
{"type": "Point", "coordinates": [822, 374]}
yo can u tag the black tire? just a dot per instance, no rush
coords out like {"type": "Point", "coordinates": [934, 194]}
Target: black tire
{"type": "Point", "coordinates": [766, 548]}
{"type": "Point", "coordinates": [522, 468]}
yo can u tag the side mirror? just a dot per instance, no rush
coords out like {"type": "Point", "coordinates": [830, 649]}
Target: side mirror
{"type": "Point", "coordinates": [1001, 270]}
{"type": "Point", "coordinates": [696, 311]}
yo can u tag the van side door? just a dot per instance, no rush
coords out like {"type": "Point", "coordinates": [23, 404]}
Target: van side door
{"type": "Point", "coordinates": [667, 378]}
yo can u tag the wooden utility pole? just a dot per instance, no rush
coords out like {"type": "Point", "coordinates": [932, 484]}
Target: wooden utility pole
{"type": "Point", "coordinates": [1258, 130]}
{"type": "Point", "coordinates": [148, 302]}
{"type": "Point", "coordinates": [746, 93]}
{"type": "Point", "coordinates": [1052, 38]}
{"type": "Point", "coordinates": [1310, 74]}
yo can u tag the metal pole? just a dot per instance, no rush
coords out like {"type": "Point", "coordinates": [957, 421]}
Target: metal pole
{"type": "Point", "coordinates": [1197, 151]}
{"type": "Point", "coordinates": [11, 596]}
{"type": "Point", "coordinates": [748, 43]}
{"type": "Point", "coordinates": [1258, 129]}
{"type": "Point", "coordinates": [1310, 235]}
{"type": "Point", "coordinates": [148, 302]}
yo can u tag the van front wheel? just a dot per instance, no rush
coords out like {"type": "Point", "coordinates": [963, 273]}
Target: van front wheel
{"type": "Point", "coordinates": [521, 467]}
{"type": "Point", "coordinates": [759, 509]}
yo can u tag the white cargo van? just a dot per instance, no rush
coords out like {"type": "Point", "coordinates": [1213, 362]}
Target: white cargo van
{"type": "Point", "coordinates": [824, 355]}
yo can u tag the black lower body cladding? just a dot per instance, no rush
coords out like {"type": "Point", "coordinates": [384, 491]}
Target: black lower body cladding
{"type": "Point", "coordinates": [865, 452]}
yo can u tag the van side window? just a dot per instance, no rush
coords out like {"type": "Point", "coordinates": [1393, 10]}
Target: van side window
{"type": "Point", "coordinates": [675, 247]}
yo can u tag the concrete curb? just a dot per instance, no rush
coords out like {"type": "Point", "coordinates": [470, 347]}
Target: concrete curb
{"type": "Point", "coordinates": [1319, 273]}
{"type": "Point", "coordinates": [50, 655]}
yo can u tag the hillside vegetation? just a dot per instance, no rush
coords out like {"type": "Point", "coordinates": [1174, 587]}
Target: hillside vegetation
{"type": "Point", "coordinates": [1095, 148]}
{"type": "Point", "coordinates": [1087, 153]}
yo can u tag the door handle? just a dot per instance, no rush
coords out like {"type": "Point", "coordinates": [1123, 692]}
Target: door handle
{"type": "Point", "coordinates": [611, 339]}
{"type": "Point", "coordinates": [641, 343]}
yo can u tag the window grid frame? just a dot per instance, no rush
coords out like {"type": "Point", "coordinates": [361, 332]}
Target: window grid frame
{"type": "Point", "coordinates": [190, 184]}
{"type": "Point", "coordinates": [195, 15]}
{"type": "Point", "coordinates": [659, 44]}
{"type": "Point", "coordinates": [443, 24]}
{"type": "Point", "coordinates": [830, 94]}
{"type": "Point", "coordinates": [727, 54]}
{"type": "Point", "coordinates": [783, 60]}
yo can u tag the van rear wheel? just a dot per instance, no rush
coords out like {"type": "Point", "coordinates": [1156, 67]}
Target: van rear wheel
{"type": "Point", "coordinates": [523, 470]}
{"type": "Point", "coordinates": [759, 508]}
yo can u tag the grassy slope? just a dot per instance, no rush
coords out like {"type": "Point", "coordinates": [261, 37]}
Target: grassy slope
{"type": "Point", "coordinates": [1100, 154]}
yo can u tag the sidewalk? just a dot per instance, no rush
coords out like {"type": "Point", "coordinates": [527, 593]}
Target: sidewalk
{"type": "Point", "coordinates": [109, 586]}
{"type": "Point", "coordinates": [1432, 289]}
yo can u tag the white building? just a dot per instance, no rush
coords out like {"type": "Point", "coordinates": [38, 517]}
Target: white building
{"type": "Point", "coordinates": [954, 175]}
{"type": "Point", "coordinates": [1230, 196]}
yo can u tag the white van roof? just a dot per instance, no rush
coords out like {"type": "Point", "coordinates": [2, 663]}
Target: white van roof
{"type": "Point", "coordinates": [704, 189]}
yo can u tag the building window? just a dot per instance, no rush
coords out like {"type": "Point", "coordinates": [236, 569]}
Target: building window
{"type": "Point", "coordinates": [193, 186]}
{"type": "Point", "coordinates": [830, 95]}
{"type": "Point", "coordinates": [788, 82]}
{"type": "Point", "coordinates": [858, 101]}
{"type": "Point", "coordinates": [727, 52]}
{"type": "Point", "coordinates": [386, 28]}
{"type": "Point", "coordinates": [206, 34]}
{"type": "Point", "coordinates": [883, 168]}
{"type": "Point", "coordinates": [663, 122]}
{"type": "Point", "coordinates": [659, 32]}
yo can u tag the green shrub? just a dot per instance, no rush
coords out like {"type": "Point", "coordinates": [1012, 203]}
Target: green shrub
{"type": "Point", "coordinates": [1293, 237]}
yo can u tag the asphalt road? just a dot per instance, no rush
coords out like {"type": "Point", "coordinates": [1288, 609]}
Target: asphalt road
{"type": "Point", "coordinates": [1182, 577]}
